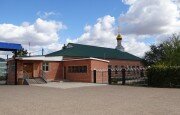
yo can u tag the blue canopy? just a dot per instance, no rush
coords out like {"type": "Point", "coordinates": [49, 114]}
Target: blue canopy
{"type": "Point", "coordinates": [10, 46]}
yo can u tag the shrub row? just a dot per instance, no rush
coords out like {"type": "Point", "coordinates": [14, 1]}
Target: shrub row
{"type": "Point", "coordinates": [164, 76]}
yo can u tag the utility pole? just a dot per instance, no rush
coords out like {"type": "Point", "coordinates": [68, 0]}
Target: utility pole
{"type": "Point", "coordinates": [42, 51]}
{"type": "Point", "coordinates": [29, 49]}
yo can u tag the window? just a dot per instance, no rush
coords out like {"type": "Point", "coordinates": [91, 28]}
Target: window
{"type": "Point", "coordinates": [69, 69]}
{"type": "Point", "coordinates": [45, 66]}
{"type": "Point", "coordinates": [77, 69]}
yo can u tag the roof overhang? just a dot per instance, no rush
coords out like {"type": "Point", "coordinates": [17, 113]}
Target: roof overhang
{"type": "Point", "coordinates": [41, 58]}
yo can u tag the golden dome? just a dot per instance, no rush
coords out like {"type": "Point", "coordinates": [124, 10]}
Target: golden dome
{"type": "Point", "coordinates": [119, 37]}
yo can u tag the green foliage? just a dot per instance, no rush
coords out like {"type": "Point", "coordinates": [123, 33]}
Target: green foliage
{"type": "Point", "coordinates": [22, 52]}
{"type": "Point", "coordinates": [166, 53]}
{"type": "Point", "coordinates": [164, 76]}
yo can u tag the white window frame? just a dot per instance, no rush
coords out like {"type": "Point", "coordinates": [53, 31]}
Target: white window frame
{"type": "Point", "coordinates": [45, 65]}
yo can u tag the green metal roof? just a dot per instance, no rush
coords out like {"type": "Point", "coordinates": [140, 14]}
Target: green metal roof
{"type": "Point", "coordinates": [79, 50]}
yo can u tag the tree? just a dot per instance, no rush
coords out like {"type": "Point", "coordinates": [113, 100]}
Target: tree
{"type": "Point", "coordinates": [172, 50]}
{"type": "Point", "coordinates": [166, 53]}
{"type": "Point", "coordinates": [22, 52]}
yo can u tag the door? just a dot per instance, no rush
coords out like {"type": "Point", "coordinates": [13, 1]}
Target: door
{"type": "Point", "coordinates": [94, 74]}
{"type": "Point", "coordinates": [64, 72]}
{"type": "Point", "coordinates": [28, 70]}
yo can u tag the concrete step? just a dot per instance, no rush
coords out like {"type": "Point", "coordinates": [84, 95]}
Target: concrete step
{"type": "Point", "coordinates": [31, 81]}
{"type": "Point", "coordinates": [37, 80]}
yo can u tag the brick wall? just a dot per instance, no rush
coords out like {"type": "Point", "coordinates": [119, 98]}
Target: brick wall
{"type": "Point", "coordinates": [55, 71]}
{"type": "Point", "coordinates": [101, 68]}
{"type": "Point", "coordinates": [87, 77]}
{"type": "Point", "coordinates": [79, 77]}
{"type": "Point", "coordinates": [125, 63]}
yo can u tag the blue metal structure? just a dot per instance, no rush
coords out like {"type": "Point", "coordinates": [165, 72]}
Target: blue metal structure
{"type": "Point", "coordinates": [11, 47]}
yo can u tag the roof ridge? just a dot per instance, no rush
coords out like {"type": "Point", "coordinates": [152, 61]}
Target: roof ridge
{"type": "Point", "coordinates": [93, 46]}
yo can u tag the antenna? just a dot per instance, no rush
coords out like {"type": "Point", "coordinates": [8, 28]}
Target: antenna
{"type": "Point", "coordinates": [29, 48]}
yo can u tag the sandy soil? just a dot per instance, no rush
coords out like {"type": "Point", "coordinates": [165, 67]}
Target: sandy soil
{"type": "Point", "coordinates": [100, 100]}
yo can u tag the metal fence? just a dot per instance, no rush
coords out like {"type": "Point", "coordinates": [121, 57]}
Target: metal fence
{"type": "Point", "coordinates": [3, 73]}
{"type": "Point", "coordinates": [127, 76]}
{"type": "Point", "coordinates": [121, 76]}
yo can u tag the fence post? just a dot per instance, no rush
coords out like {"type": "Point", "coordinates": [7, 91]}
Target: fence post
{"type": "Point", "coordinates": [149, 80]}
{"type": "Point", "coordinates": [123, 76]}
{"type": "Point", "coordinates": [141, 73]}
{"type": "Point", "coordinates": [94, 74]}
{"type": "Point", "coordinates": [109, 76]}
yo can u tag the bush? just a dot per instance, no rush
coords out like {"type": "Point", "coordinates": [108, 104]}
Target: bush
{"type": "Point", "coordinates": [164, 76]}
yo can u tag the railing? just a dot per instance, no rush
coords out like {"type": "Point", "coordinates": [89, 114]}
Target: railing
{"type": "Point", "coordinates": [43, 75]}
{"type": "Point", "coordinates": [128, 76]}
{"type": "Point", "coordinates": [25, 78]}
{"type": "Point", "coordinates": [124, 76]}
{"type": "Point", "coordinates": [25, 75]}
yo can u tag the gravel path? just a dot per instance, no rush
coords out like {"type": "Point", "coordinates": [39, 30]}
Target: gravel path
{"type": "Point", "coordinates": [100, 100]}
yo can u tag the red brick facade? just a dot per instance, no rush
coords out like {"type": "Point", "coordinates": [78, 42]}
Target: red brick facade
{"type": "Point", "coordinates": [125, 63]}
{"type": "Point", "coordinates": [58, 70]}
{"type": "Point", "coordinates": [101, 71]}
{"type": "Point", "coordinates": [55, 71]}
{"type": "Point", "coordinates": [82, 77]}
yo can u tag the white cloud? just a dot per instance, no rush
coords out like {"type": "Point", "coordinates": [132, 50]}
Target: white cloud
{"type": "Point", "coordinates": [151, 17]}
{"type": "Point", "coordinates": [41, 34]}
{"type": "Point", "coordinates": [157, 19]}
{"type": "Point", "coordinates": [177, 2]}
{"type": "Point", "coordinates": [45, 15]}
{"type": "Point", "coordinates": [103, 34]}
{"type": "Point", "coordinates": [135, 45]}
{"type": "Point", "coordinates": [145, 19]}
{"type": "Point", "coordinates": [128, 2]}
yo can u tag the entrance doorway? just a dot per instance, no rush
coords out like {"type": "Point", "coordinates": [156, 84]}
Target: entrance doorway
{"type": "Point", "coordinates": [28, 70]}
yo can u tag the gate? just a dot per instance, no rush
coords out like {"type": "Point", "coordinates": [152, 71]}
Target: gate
{"type": "Point", "coordinates": [3, 73]}
{"type": "Point", "coordinates": [127, 76]}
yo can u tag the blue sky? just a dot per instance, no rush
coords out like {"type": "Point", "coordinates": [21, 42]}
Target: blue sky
{"type": "Point", "coordinates": [74, 14]}
{"type": "Point", "coordinates": [49, 24]}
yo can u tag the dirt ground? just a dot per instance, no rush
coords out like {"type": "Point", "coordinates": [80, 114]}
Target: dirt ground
{"type": "Point", "coordinates": [95, 100]}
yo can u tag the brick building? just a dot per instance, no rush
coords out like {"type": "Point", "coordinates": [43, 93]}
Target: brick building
{"type": "Point", "coordinates": [75, 62]}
